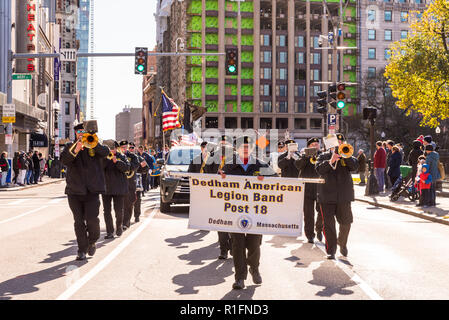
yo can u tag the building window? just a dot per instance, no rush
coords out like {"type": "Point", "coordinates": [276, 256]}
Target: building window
{"type": "Point", "coordinates": [404, 34]}
{"type": "Point", "coordinates": [282, 57]}
{"type": "Point", "coordinates": [315, 58]}
{"type": "Point", "coordinates": [212, 122]}
{"type": "Point", "coordinates": [371, 72]}
{"type": "Point", "coordinates": [266, 123]}
{"type": "Point", "coordinates": [230, 123]}
{"type": "Point", "coordinates": [265, 90]}
{"type": "Point", "coordinates": [300, 107]}
{"type": "Point", "coordinates": [266, 56]}
{"type": "Point", "coordinates": [301, 123]}
{"type": "Point", "coordinates": [266, 106]}
{"type": "Point", "coordinates": [371, 92]}
{"type": "Point", "coordinates": [282, 73]}
{"type": "Point", "coordinates": [67, 108]}
{"type": "Point", "coordinates": [67, 130]}
{"type": "Point", "coordinates": [387, 54]}
{"type": "Point", "coordinates": [300, 91]}
{"type": "Point", "coordinates": [281, 41]}
{"type": "Point", "coordinates": [265, 40]}
{"type": "Point", "coordinates": [281, 91]}
{"type": "Point", "coordinates": [281, 123]}
{"type": "Point", "coordinates": [265, 73]}
{"type": "Point", "coordinates": [388, 15]}
{"type": "Point", "coordinates": [300, 74]}
{"type": "Point", "coordinates": [371, 34]}
{"type": "Point", "coordinates": [315, 123]}
{"type": "Point", "coordinates": [314, 42]}
{"type": "Point", "coordinates": [315, 74]}
{"type": "Point", "coordinates": [388, 35]}
{"type": "Point", "coordinates": [299, 41]}
{"type": "Point", "coordinates": [372, 15]}
{"type": "Point", "coordinates": [314, 90]}
{"type": "Point", "coordinates": [299, 57]}
{"type": "Point", "coordinates": [371, 53]}
{"type": "Point", "coordinates": [282, 107]}
{"type": "Point", "coordinates": [247, 123]}
{"type": "Point", "coordinates": [404, 16]}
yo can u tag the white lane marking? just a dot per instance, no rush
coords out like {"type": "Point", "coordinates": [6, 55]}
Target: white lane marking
{"type": "Point", "coordinates": [107, 260]}
{"type": "Point", "coordinates": [23, 214]}
{"type": "Point", "coordinates": [56, 200]}
{"type": "Point", "coordinates": [353, 276]}
{"type": "Point", "coordinates": [18, 201]}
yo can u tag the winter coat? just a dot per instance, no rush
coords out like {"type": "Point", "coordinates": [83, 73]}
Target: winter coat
{"type": "Point", "coordinates": [380, 158]}
{"type": "Point", "coordinates": [84, 173]}
{"type": "Point", "coordinates": [338, 186]}
{"type": "Point", "coordinates": [134, 166]}
{"type": "Point", "coordinates": [287, 166]}
{"type": "Point", "coordinates": [4, 165]}
{"type": "Point", "coordinates": [30, 164]}
{"type": "Point", "coordinates": [23, 164]}
{"type": "Point", "coordinates": [307, 170]}
{"type": "Point", "coordinates": [361, 158]}
{"type": "Point", "coordinates": [116, 182]}
{"type": "Point", "coordinates": [414, 155]}
{"type": "Point", "coordinates": [35, 160]}
{"type": "Point", "coordinates": [394, 164]}
{"type": "Point", "coordinates": [196, 164]}
{"type": "Point", "coordinates": [425, 181]}
{"type": "Point", "coordinates": [432, 160]}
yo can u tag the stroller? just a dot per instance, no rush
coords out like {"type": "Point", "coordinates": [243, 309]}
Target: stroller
{"type": "Point", "coordinates": [404, 187]}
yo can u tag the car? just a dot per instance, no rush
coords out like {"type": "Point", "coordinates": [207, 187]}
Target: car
{"type": "Point", "coordinates": [175, 189]}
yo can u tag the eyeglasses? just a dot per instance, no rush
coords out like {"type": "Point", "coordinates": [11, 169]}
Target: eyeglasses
{"type": "Point", "coordinates": [131, 148]}
{"type": "Point", "coordinates": [79, 131]}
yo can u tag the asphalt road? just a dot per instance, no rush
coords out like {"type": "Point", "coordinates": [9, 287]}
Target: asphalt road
{"type": "Point", "coordinates": [391, 256]}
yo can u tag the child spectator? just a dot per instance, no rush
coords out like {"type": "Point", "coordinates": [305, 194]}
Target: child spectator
{"type": "Point", "coordinates": [421, 161]}
{"type": "Point", "coordinates": [425, 181]}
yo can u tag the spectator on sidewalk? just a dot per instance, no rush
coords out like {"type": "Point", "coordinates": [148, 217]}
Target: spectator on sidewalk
{"type": "Point", "coordinates": [4, 168]}
{"type": "Point", "coordinates": [361, 158]}
{"type": "Point", "coordinates": [23, 165]}
{"type": "Point", "coordinates": [388, 182]}
{"type": "Point", "coordinates": [36, 167]}
{"type": "Point", "coordinates": [41, 166]}
{"type": "Point", "coordinates": [421, 162]}
{"type": "Point", "coordinates": [428, 140]}
{"type": "Point", "coordinates": [394, 164]}
{"type": "Point", "coordinates": [30, 168]}
{"type": "Point", "coordinates": [380, 158]}
{"type": "Point", "coordinates": [425, 182]}
{"type": "Point", "coordinates": [15, 168]}
{"type": "Point", "coordinates": [432, 158]}
{"type": "Point", "coordinates": [413, 156]}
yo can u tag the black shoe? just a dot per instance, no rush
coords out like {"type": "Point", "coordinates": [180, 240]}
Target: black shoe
{"type": "Point", "coordinates": [344, 251]}
{"type": "Point", "coordinates": [81, 256]}
{"type": "Point", "coordinates": [257, 279]}
{"type": "Point", "coordinates": [91, 250]}
{"type": "Point", "coordinates": [119, 232]}
{"type": "Point", "coordinates": [109, 236]}
{"type": "Point", "coordinates": [331, 256]}
{"type": "Point", "coordinates": [310, 240]}
{"type": "Point", "coordinates": [124, 228]}
{"type": "Point", "coordinates": [223, 255]}
{"type": "Point", "coordinates": [238, 284]}
{"type": "Point", "coordinates": [137, 219]}
{"type": "Point", "coordinates": [319, 236]}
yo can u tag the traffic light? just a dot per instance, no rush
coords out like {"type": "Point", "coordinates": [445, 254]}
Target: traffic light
{"type": "Point", "coordinates": [332, 94]}
{"type": "Point", "coordinates": [231, 62]}
{"type": "Point", "coordinates": [322, 101]}
{"type": "Point", "coordinates": [141, 58]}
{"type": "Point", "coordinates": [341, 96]}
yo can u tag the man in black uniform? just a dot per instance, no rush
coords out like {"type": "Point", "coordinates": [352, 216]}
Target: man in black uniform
{"type": "Point", "coordinates": [197, 164]}
{"type": "Point", "coordinates": [286, 160]}
{"type": "Point", "coordinates": [141, 175]}
{"type": "Point", "coordinates": [85, 182]}
{"type": "Point", "coordinates": [131, 196]}
{"type": "Point", "coordinates": [306, 167]}
{"type": "Point", "coordinates": [244, 165]}
{"type": "Point", "coordinates": [115, 169]}
{"type": "Point", "coordinates": [335, 197]}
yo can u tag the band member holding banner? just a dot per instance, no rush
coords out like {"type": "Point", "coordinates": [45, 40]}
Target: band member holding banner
{"type": "Point", "coordinates": [131, 196]}
{"type": "Point", "coordinates": [246, 247]}
{"type": "Point", "coordinates": [85, 182]}
{"type": "Point", "coordinates": [306, 166]}
{"type": "Point", "coordinates": [199, 161]}
{"type": "Point", "coordinates": [115, 167]}
{"type": "Point", "coordinates": [337, 193]}
{"type": "Point", "coordinates": [286, 160]}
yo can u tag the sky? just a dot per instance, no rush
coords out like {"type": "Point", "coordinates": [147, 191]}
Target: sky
{"type": "Point", "coordinates": [119, 26]}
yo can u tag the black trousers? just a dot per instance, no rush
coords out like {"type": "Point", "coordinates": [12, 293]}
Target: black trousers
{"type": "Point", "coordinates": [224, 238]}
{"type": "Point", "coordinates": [118, 208]}
{"type": "Point", "coordinates": [242, 242]}
{"type": "Point", "coordinates": [310, 205]}
{"type": "Point", "coordinates": [130, 199]}
{"type": "Point", "coordinates": [145, 182]}
{"type": "Point", "coordinates": [137, 204]}
{"type": "Point", "coordinates": [85, 211]}
{"type": "Point", "coordinates": [36, 175]}
{"type": "Point", "coordinates": [342, 212]}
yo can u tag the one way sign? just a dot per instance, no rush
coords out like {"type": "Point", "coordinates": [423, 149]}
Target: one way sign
{"type": "Point", "coordinates": [68, 55]}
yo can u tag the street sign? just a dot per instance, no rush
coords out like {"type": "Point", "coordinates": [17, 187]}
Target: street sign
{"type": "Point", "coordinates": [68, 55]}
{"type": "Point", "coordinates": [9, 113]}
{"type": "Point", "coordinates": [332, 119]}
{"type": "Point", "coordinates": [8, 138]}
{"type": "Point", "coordinates": [22, 76]}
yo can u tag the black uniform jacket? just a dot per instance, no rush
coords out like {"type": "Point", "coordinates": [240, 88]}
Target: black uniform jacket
{"type": "Point", "coordinates": [142, 170]}
{"type": "Point", "coordinates": [338, 187]}
{"type": "Point", "coordinates": [195, 165]}
{"type": "Point", "coordinates": [307, 170]}
{"type": "Point", "coordinates": [287, 166]}
{"type": "Point", "coordinates": [134, 166]}
{"type": "Point", "coordinates": [115, 175]}
{"type": "Point", "coordinates": [232, 167]}
{"type": "Point", "coordinates": [84, 173]}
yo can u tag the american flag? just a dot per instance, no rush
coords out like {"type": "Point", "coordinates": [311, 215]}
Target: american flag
{"type": "Point", "coordinates": [170, 113]}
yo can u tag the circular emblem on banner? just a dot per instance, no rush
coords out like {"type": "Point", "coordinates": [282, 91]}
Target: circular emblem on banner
{"type": "Point", "coordinates": [244, 223]}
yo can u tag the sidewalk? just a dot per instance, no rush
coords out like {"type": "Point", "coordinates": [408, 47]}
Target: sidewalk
{"type": "Point", "coordinates": [439, 214]}
{"type": "Point", "coordinates": [45, 181]}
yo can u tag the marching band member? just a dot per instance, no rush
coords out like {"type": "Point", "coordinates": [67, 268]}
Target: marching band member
{"type": "Point", "coordinates": [131, 195]}
{"type": "Point", "coordinates": [246, 247]}
{"type": "Point", "coordinates": [335, 197]}
{"type": "Point", "coordinates": [306, 167]}
{"type": "Point", "coordinates": [286, 160]}
{"type": "Point", "coordinates": [85, 182]}
{"type": "Point", "coordinates": [142, 173]}
{"type": "Point", "coordinates": [115, 167]}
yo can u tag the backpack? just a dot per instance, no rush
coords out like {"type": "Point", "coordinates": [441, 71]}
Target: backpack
{"type": "Point", "coordinates": [441, 170]}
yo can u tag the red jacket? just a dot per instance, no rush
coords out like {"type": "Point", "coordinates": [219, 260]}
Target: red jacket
{"type": "Point", "coordinates": [423, 177]}
{"type": "Point", "coordinates": [380, 158]}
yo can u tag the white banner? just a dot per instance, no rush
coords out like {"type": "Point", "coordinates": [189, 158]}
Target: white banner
{"type": "Point", "coordinates": [244, 204]}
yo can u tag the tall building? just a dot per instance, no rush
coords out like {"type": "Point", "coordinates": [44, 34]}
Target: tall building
{"type": "Point", "coordinates": [125, 121]}
{"type": "Point", "coordinates": [281, 66]}
{"type": "Point", "coordinates": [82, 35]}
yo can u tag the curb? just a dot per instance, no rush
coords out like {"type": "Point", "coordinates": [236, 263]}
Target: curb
{"type": "Point", "coordinates": [31, 186]}
{"type": "Point", "coordinates": [416, 214]}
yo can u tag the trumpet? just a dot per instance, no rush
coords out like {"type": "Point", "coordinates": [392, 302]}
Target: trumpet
{"type": "Point", "coordinates": [89, 140]}
{"type": "Point", "coordinates": [345, 150]}
{"type": "Point", "coordinates": [110, 155]}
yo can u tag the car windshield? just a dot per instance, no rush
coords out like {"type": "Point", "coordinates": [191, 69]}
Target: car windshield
{"type": "Point", "coordinates": [182, 156]}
